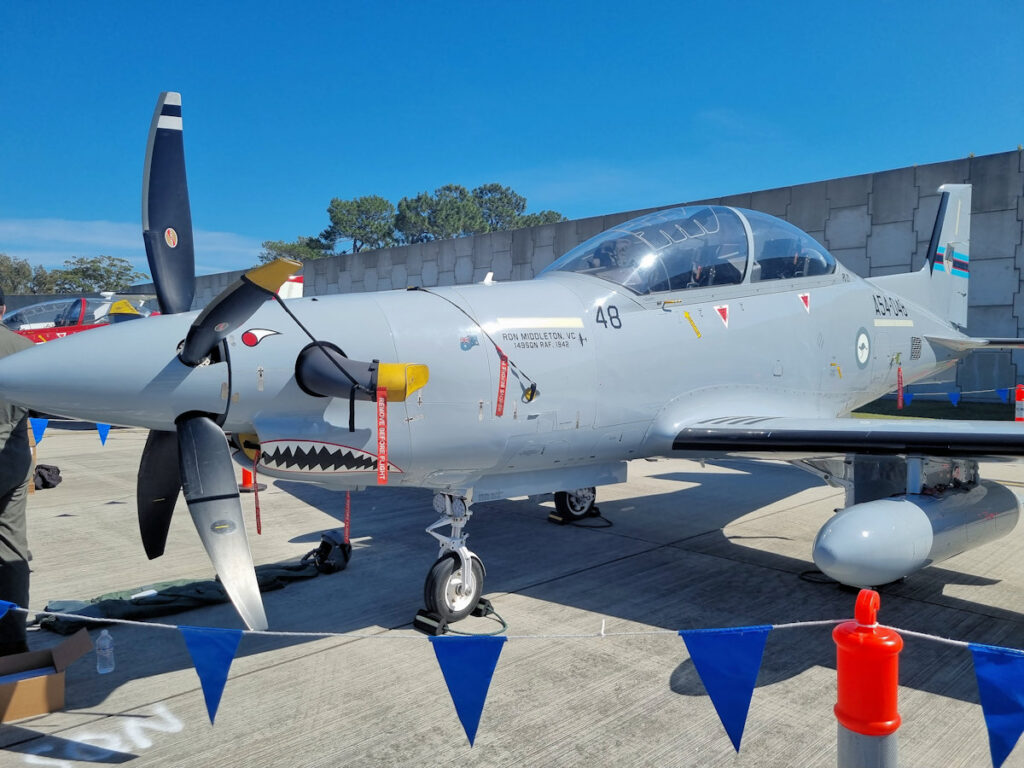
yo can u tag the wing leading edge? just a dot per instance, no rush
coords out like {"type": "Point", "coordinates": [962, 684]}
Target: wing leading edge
{"type": "Point", "coordinates": [807, 438]}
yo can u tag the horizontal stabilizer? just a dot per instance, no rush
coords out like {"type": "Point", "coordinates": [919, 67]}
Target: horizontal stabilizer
{"type": "Point", "coordinates": [967, 343]}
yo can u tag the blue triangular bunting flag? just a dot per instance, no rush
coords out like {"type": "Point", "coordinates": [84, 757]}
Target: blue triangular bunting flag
{"type": "Point", "coordinates": [38, 427]}
{"type": "Point", "coordinates": [954, 398]}
{"type": "Point", "coordinates": [908, 398]}
{"type": "Point", "coordinates": [728, 661]}
{"type": "Point", "coordinates": [104, 430]}
{"type": "Point", "coordinates": [467, 664]}
{"type": "Point", "coordinates": [1000, 673]}
{"type": "Point", "coordinates": [1004, 394]}
{"type": "Point", "coordinates": [212, 652]}
{"type": "Point", "coordinates": [5, 607]}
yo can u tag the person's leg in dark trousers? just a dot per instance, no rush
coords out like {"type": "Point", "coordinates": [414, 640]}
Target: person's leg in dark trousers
{"type": "Point", "coordinates": [14, 557]}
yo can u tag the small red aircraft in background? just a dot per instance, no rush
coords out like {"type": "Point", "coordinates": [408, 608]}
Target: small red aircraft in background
{"type": "Point", "coordinates": [57, 318]}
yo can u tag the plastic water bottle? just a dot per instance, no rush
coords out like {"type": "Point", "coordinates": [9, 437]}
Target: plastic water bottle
{"type": "Point", "coordinates": [104, 653]}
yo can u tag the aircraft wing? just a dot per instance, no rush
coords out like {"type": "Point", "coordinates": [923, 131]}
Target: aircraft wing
{"type": "Point", "coordinates": [793, 438]}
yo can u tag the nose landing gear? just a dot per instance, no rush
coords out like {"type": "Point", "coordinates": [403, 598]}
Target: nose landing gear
{"type": "Point", "coordinates": [456, 580]}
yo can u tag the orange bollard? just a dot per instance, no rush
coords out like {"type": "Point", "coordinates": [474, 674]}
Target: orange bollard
{"type": "Point", "coordinates": [1019, 397]}
{"type": "Point", "coordinates": [247, 485]}
{"type": "Point", "coordinates": [867, 667]}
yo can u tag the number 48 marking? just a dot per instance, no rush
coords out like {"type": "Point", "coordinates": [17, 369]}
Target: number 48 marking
{"type": "Point", "coordinates": [612, 318]}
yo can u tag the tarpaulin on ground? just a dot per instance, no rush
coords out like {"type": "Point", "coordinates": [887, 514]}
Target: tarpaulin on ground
{"type": "Point", "coordinates": [167, 598]}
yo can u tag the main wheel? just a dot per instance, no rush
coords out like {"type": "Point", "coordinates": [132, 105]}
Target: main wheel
{"type": "Point", "coordinates": [443, 592]}
{"type": "Point", "coordinates": [577, 504]}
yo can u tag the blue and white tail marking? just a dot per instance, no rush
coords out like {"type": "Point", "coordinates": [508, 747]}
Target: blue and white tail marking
{"type": "Point", "coordinates": [958, 265]}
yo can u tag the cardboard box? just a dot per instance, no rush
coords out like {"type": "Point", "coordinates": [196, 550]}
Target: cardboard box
{"type": "Point", "coordinates": [33, 683]}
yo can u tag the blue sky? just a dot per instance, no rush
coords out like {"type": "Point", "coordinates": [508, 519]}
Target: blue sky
{"type": "Point", "coordinates": [586, 109]}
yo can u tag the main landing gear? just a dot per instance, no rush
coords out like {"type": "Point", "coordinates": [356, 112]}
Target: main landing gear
{"type": "Point", "coordinates": [456, 580]}
{"type": "Point", "coordinates": [574, 505]}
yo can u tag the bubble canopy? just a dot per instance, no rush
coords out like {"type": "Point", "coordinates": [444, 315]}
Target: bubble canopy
{"type": "Point", "coordinates": [696, 247]}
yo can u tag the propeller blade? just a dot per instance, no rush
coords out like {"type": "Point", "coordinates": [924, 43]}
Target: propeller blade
{"type": "Point", "coordinates": [234, 306]}
{"type": "Point", "coordinates": [211, 490]}
{"type": "Point", "coordinates": [166, 219]}
{"type": "Point", "coordinates": [157, 489]}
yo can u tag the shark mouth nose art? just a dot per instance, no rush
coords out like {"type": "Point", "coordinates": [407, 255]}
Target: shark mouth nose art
{"type": "Point", "coordinates": [315, 456]}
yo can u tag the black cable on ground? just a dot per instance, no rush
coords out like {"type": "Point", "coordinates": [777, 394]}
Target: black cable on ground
{"type": "Point", "coordinates": [489, 613]}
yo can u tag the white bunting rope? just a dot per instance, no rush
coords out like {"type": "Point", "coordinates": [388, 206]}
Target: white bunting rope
{"type": "Point", "coordinates": [397, 634]}
{"type": "Point", "coordinates": [923, 636]}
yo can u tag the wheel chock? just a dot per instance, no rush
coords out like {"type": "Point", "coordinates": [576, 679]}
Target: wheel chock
{"type": "Point", "coordinates": [483, 608]}
{"type": "Point", "coordinates": [429, 623]}
{"type": "Point", "coordinates": [557, 518]}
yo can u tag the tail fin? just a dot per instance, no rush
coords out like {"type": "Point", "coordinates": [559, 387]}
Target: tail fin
{"type": "Point", "coordinates": [949, 259]}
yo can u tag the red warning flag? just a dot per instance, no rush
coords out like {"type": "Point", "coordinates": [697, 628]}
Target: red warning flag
{"type": "Point", "coordinates": [382, 436]}
{"type": "Point", "coordinates": [499, 407]}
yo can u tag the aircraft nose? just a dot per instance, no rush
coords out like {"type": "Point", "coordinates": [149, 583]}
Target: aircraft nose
{"type": "Point", "coordinates": [126, 374]}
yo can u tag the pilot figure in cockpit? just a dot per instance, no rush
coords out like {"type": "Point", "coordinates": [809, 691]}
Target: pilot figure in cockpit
{"type": "Point", "coordinates": [710, 268]}
{"type": "Point", "coordinates": [793, 266]}
{"type": "Point", "coordinates": [605, 257]}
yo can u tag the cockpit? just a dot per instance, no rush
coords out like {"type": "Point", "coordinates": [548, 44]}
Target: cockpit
{"type": "Point", "coordinates": [697, 247]}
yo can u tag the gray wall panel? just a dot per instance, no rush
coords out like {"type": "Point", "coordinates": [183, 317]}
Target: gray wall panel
{"type": "Point", "coordinates": [894, 196]}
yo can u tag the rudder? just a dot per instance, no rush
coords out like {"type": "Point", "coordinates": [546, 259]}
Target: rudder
{"type": "Point", "coordinates": [949, 262]}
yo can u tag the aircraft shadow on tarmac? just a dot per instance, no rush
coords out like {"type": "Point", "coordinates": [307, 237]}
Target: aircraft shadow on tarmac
{"type": "Point", "coordinates": [666, 562]}
{"type": "Point", "coordinates": [692, 573]}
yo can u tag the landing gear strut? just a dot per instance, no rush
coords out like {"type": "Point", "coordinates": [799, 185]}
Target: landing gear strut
{"type": "Point", "coordinates": [456, 580]}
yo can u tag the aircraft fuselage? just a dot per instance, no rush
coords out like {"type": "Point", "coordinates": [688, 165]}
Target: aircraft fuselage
{"type": "Point", "coordinates": [615, 373]}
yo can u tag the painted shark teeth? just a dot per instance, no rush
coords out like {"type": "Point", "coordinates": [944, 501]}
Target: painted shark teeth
{"type": "Point", "coordinates": [315, 456]}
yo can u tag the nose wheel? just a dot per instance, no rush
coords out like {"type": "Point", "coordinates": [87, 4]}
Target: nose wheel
{"type": "Point", "coordinates": [447, 593]}
{"type": "Point", "coordinates": [456, 579]}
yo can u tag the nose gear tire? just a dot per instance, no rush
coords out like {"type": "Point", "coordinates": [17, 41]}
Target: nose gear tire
{"type": "Point", "coordinates": [442, 592]}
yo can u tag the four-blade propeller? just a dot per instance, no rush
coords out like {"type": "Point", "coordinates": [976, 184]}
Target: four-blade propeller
{"type": "Point", "coordinates": [196, 457]}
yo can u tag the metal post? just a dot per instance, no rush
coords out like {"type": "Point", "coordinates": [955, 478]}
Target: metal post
{"type": "Point", "coordinates": [855, 750]}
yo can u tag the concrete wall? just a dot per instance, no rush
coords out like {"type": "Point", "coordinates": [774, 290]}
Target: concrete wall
{"type": "Point", "coordinates": [875, 224]}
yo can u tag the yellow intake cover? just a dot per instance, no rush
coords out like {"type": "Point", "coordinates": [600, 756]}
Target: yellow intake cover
{"type": "Point", "coordinates": [402, 379]}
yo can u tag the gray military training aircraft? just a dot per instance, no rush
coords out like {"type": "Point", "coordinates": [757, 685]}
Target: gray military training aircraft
{"type": "Point", "coordinates": [704, 332]}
